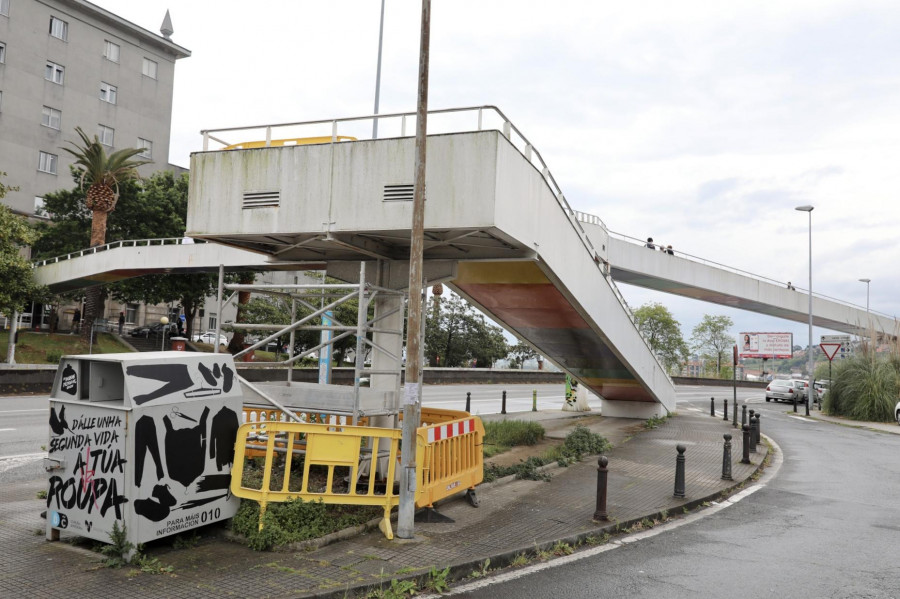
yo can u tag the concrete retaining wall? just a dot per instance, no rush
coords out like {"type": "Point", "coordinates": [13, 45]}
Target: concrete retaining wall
{"type": "Point", "coordinates": [29, 378]}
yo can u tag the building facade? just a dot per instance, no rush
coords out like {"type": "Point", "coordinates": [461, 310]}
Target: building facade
{"type": "Point", "coordinates": [67, 64]}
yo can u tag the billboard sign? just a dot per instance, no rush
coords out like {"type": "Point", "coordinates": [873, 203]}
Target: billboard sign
{"type": "Point", "coordinates": [766, 345]}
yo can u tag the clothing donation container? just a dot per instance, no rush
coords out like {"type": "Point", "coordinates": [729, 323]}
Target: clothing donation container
{"type": "Point", "coordinates": [142, 439]}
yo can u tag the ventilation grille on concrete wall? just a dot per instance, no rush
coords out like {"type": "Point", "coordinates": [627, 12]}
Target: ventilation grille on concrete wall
{"type": "Point", "coordinates": [399, 193]}
{"type": "Point", "coordinates": [261, 199]}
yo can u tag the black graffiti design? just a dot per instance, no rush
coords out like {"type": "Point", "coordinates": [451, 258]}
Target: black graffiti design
{"type": "Point", "coordinates": [58, 424]}
{"type": "Point", "coordinates": [175, 376]}
{"type": "Point", "coordinates": [156, 510]}
{"type": "Point", "coordinates": [213, 482]}
{"type": "Point", "coordinates": [186, 450]}
{"type": "Point", "coordinates": [69, 383]}
{"type": "Point", "coordinates": [145, 440]}
{"type": "Point", "coordinates": [222, 437]}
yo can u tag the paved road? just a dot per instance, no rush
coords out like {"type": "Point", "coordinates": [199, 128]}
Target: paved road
{"type": "Point", "coordinates": [825, 526]}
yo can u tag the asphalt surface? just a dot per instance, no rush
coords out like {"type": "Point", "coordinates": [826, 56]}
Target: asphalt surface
{"type": "Point", "coordinates": [826, 526]}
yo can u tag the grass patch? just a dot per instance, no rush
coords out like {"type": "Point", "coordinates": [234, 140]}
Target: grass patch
{"type": "Point", "coordinates": [296, 520]}
{"type": "Point", "coordinates": [578, 443]}
{"type": "Point", "coordinates": [47, 348]}
{"type": "Point", "coordinates": [501, 435]}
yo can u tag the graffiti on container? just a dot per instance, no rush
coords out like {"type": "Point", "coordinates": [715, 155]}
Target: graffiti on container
{"type": "Point", "coordinates": [93, 484]}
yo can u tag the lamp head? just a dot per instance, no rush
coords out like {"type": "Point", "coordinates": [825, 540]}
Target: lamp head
{"type": "Point", "coordinates": [164, 320]}
{"type": "Point", "coordinates": [806, 208]}
{"type": "Point", "coordinates": [867, 281]}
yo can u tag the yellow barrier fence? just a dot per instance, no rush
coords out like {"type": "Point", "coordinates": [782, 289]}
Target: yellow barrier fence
{"type": "Point", "coordinates": [260, 417]}
{"type": "Point", "coordinates": [331, 452]}
{"type": "Point", "coordinates": [449, 458]}
{"type": "Point", "coordinates": [449, 454]}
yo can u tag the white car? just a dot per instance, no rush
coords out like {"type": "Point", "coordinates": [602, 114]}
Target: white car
{"type": "Point", "coordinates": [210, 337]}
{"type": "Point", "coordinates": [897, 412]}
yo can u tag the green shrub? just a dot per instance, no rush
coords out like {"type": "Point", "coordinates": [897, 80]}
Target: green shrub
{"type": "Point", "coordinates": [581, 441]}
{"type": "Point", "coordinates": [865, 387]}
{"type": "Point", "coordinates": [53, 357]}
{"type": "Point", "coordinates": [510, 433]}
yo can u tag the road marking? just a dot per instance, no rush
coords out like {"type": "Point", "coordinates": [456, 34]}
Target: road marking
{"type": "Point", "coordinates": [3, 430]}
{"type": "Point", "coordinates": [20, 411]}
{"type": "Point", "coordinates": [770, 472]}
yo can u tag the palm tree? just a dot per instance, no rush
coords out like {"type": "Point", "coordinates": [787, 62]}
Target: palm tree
{"type": "Point", "coordinates": [102, 174]}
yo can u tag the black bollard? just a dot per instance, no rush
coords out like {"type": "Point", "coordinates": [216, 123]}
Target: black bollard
{"type": "Point", "coordinates": [734, 422]}
{"type": "Point", "coordinates": [753, 423]}
{"type": "Point", "coordinates": [679, 471]}
{"type": "Point", "coordinates": [744, 415]}
{"type": "Point", "coordinates": [469, 402]}
{"type": "Point", "coordinates": [758, 430]}
{"type": "Point", "coordinates": [795, 403]}
{"type": "Point", "coordinates": [746, 451]}
{"type": "Point", "coordinates": [503, 405]}
{"type": "Point", "coordinates": [726, 459]}
{"type": "Point", "coordinates": [712, 406]}
{"type": "Point", "coordinates": [725, 418]}
{"type": "Point", "coordinates": [602, 474]}
{"type": "Point", "coordinates": [807, 402]}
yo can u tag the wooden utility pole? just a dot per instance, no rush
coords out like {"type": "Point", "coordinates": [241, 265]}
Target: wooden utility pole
{"type": "Point", "coordinates": [412, 391]}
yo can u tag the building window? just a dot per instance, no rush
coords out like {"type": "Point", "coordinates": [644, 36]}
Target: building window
{"type": "Point", "coordinates": [111, 51]}
{"type": "Point", "coordinates": [54, 72]}
{"type": "Point", "coordinates": [108, 93]}
{"type": "Point", "coordinates": [47, 163]}
{"type": "Point", "coordinates": [51, 117]}
{"type": "Point", "coordinates": [2, 52]}
{"type": "Point", "coordinates": [131, 313]}
{"type": "Point", "coordinates": [4, 8]}
{"type": "Point", "coordinates": [146, 147]}
{"type": "Point", "coordinates": [39, 209]}
{"type": "Point", "coordinates": [150, 68]}
{"type": "Point", "coordinates": [107, 135]}
{"type": "Point", "coordinates": [212, 321]}
{"type": "Point", "coordinates": [59, 28]}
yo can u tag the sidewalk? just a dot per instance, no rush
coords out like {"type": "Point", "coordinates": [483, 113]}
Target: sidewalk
{"type": "Point", "coordinates": [514, 517]}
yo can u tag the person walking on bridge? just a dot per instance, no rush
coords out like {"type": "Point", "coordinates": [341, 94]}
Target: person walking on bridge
{"type": "Point", "coordinates": [650, 244]}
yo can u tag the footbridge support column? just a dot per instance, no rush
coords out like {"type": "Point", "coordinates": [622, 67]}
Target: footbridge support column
{"type": "Point", "coordinates": [632, 409]}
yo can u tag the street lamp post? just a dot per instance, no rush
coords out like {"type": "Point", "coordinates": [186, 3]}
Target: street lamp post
{"type": "Point", "coordinates": [866, 281]}
{"type": "Point", "coordinates": [163, 321]}
{"type": "Point", "coordinates": [811, 364]}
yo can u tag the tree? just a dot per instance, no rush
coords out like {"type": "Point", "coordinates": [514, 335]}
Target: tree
{"type": "Point", "coordinates": [519, 353]}
{"type": "Point", "coordinates": [18, 286]}
{"type": "Point", "coordinates": [711, 338]}
{"type": "Point", "coordinates": [663, 334]}
{"type": "Point", "coordinates": [457, 336]}
{"type": "Point", "coordinates": [102, 174]}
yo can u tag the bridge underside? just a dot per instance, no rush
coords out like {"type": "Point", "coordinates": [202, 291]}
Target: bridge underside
{"type": "Point", "coordinates": [523, 298]}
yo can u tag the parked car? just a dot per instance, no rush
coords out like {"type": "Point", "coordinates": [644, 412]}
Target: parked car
{"type": "Point", "coordinates": [786, 390]}
{"type": "Point", "coordinates": [897, 412]}
{"type": "Point", "coordinates": [210, 337]}
{"type": "Point", "coordinates": [821, 389]}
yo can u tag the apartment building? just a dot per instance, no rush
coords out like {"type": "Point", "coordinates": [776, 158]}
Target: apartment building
{"type": "Point", "coordinates": [67, 64]}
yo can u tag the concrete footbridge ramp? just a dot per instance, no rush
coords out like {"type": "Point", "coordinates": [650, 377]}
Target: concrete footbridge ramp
{"type": "Point", "coordinates": [497, 229]}
{"type": "Point", "coordinates": [126, 259]}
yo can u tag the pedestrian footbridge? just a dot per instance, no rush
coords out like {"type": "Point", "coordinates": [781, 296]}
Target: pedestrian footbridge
{"type": "Point", "coordinates": [498, 230]}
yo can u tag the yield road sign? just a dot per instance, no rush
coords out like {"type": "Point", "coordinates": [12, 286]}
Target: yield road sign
{"type": "Point", "coordinates": [830, 349]}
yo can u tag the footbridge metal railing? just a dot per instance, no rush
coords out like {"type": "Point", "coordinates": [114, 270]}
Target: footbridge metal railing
{"type": "Point", "coordinates": [117, 244]}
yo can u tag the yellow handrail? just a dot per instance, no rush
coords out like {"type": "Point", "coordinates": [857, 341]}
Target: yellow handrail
{"type": "Point", "coordinates": [291, 141]}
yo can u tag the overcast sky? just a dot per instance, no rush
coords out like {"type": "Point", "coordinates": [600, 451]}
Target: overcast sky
{"type": "Point", "coordinates": [702, 124]}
